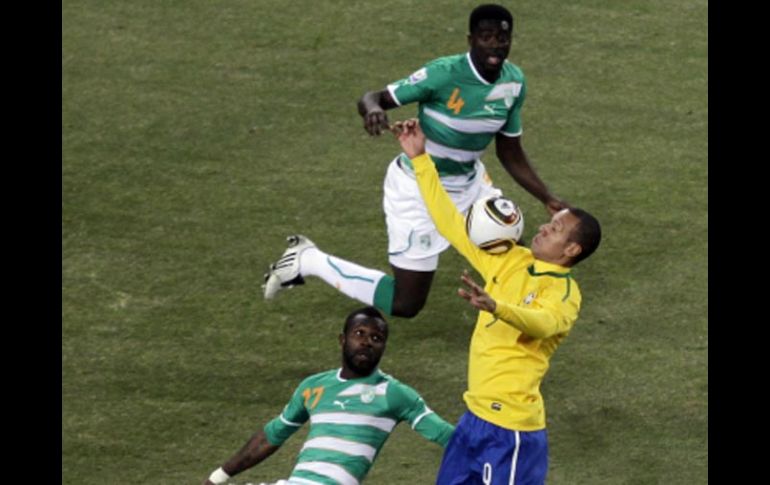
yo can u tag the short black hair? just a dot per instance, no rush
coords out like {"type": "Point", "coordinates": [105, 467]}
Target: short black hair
{"type": "Point", "coordinates": [588, 233]}
{"type": "Point", "coordinates": [368, 313]}
{"type": "Point", "coordinates": [489, 11]}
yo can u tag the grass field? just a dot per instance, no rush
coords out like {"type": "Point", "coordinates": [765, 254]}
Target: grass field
{"type": "Point", "coordinates": [196, 135]}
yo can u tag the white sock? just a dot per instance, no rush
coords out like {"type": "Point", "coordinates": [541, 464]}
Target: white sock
{"type": "Point", "coordinates": [350, 278]}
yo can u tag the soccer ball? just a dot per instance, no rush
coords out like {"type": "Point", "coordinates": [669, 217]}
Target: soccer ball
{"type": "Point", "coordinates": [494, 224]}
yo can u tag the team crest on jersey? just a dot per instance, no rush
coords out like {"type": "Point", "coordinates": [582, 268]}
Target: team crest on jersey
{"type": "Point", "coordinates": [418, 75]}
{"type": "Point", "coordinates": [528, 299]}
{"type": "Point", "coordinates": [425, 241]}
{"type": "Point", "coordinates": [367, 394]}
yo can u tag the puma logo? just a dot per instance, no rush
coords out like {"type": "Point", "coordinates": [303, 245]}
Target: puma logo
{"type": "Point", "coordinates": [342, 404]}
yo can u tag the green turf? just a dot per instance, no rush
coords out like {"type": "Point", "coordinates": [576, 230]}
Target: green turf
{"type": "Point", "coordinates": [196, 135]}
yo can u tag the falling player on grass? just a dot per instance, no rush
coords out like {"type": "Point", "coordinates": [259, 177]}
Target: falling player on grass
{"type": "Point", "coordinates": [352, 411]}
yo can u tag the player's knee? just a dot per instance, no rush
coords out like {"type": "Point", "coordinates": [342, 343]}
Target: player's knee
{"type": "Point", "coordinates": [406, 312]}
{"type": "Point", "coordinates": [407, 308]}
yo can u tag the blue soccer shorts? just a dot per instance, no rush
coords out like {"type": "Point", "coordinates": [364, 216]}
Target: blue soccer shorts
{"type": "Point", "coordinates": [481, 453]}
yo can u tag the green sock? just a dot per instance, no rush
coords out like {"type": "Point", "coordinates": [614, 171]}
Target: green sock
{"type": "Point", "coordinates": [383, 294]}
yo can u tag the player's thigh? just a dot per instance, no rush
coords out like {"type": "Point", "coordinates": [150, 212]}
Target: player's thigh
{"type": "Point", "coordinates": [413, 241]}
{"type": "Point", "coordinates": [514, 457]}
{"type": "Point", "coordinates": [532, 460]}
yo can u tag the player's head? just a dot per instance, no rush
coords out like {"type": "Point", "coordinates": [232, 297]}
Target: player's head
{"type": "Point", "coordinates": [489, 11]}
{"type": "Point", "coordinates": [489, 37]}
{"type": "Point", "coordinates": [363, 340]}
{"type": "Point", "coordinates": [571, 236]}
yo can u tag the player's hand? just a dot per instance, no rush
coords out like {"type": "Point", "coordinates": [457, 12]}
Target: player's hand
{"type": "Point", "coordinates": [475, 294]}
{"type": "Point", "coordinates": [375, 121]}
{"type": "Point", "coordinates": [555, 204]}
{"type": "Point", "coordinates": [410, 136]}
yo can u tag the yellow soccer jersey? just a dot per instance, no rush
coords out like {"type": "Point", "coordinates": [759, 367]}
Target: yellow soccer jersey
{"type": "Point", "coordinates": [537, 304]}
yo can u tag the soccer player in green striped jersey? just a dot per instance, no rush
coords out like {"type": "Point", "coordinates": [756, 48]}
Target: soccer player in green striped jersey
{"type": "Point", "coordinates": [465, 101]}
{"type": "Point", "coordinates": [352, 411]}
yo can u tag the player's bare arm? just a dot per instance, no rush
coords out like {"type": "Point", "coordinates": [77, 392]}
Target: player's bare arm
{"type": "Point", "coordinates": [372, 106]}
{"type": "Point", "coordinates": [516, 162]}
{"type": "Point", "coordinates": [253, 452]}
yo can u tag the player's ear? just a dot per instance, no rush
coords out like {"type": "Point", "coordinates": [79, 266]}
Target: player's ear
{"type": "Point", "coordinates": [573, 249]}
{"type": "Point", "coordinates": [342, 339]}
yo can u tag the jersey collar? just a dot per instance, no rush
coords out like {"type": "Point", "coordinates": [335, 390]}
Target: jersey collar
{"type": "Point", "coordinates": [475, 72]}
{"type": "Point", "coordinates": [542, 268]}
{"type": "Point", "coordinates": [374, 374]}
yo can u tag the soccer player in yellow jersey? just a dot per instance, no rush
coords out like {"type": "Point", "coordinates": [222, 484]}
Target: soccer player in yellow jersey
{"type": "Point", "coordinates": [529, 304]}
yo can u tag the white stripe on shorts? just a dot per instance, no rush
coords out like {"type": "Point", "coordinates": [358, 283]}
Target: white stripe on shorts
{"type": "Point", "coordinates": [514, 459]}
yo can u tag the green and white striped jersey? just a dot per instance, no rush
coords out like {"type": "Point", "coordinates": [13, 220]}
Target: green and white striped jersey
{"type": "Point", "coordinates": [350, 420]}
{"type": "Point", "coordinates": [459, 111]}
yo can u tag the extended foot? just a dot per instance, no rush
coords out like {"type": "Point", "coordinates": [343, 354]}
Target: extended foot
{"type": "Point", "coordinates": [284, 273]}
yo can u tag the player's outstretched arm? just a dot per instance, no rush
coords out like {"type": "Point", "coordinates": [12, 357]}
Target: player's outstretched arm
{"type": "Point", "coordinates": [475, 294]}
{"type": "Point", "coordinates": [516, 162]}
{"type": "Point", "coordinates": [254, 451]}
{"type": "Point", "coordinates": [372, 106]}
{"type": "Point", "coordinates": [434, 428]}
{"type": "Point", "coordinates": [409, 406]}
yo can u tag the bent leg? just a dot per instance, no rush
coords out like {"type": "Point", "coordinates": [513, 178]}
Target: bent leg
{"type": "Point", "coordinates": [403, 295]}
{"type": "Point", "coordinates": [410, 292]}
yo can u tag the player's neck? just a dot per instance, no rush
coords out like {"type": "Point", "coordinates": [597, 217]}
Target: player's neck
{"type": "Point", "coordinates": [489, 76]}
{"type": "Point", "coordinates": [348, 374]}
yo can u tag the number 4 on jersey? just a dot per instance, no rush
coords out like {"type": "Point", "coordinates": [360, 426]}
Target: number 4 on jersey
{"type": "Point", "coordinates": [455, 102]}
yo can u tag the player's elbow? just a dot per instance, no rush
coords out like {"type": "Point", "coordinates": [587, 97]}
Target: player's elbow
{"type": "Point", "coordinates": [548, 328]}
{"type": "Point", "coordinates": [542, 329]}
{"type": "Point", "coordinates": [539, 333]}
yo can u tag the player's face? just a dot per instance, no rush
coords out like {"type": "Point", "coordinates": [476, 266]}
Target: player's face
{"type": "Point", "coordinates": [363, 346]}
{"type": "Point", "coordinates": [490, 44]}
{"type": "Point", "coordinates": [552, 241]}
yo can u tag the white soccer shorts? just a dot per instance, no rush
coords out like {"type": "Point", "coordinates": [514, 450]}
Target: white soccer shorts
{"type": "Point", "coordinates": [413, 241]}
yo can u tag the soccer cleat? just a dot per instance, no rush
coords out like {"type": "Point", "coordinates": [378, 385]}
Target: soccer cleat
{"type": "Point", "coordinates": [284, 273]}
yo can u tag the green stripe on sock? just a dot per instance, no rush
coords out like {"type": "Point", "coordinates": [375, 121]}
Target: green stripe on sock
{"type": "Point", "coordinates": [383, 294]}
